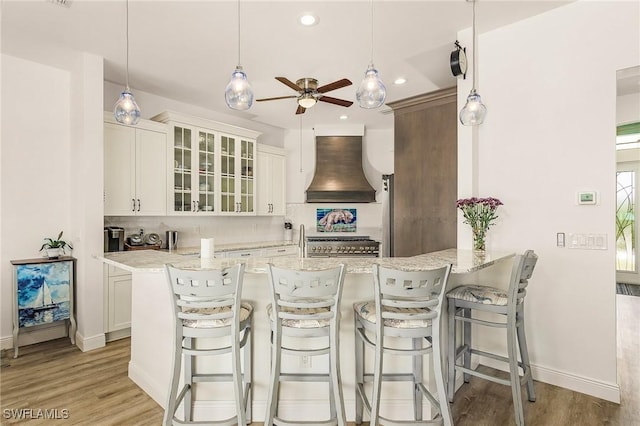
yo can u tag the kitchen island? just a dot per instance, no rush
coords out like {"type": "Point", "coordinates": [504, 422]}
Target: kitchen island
{"type": "Point", "coordinates": [151, 326]}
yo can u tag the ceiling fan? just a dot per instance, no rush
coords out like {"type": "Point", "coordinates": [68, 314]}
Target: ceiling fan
{"type": "Point", "coordinates": [309, 93]}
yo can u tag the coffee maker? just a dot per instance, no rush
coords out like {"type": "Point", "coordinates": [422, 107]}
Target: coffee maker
{"type": "Point", "coordinates": [113, 238]}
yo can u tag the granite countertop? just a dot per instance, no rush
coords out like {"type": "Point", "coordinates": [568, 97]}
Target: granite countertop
{"type": "Point", "coordinates": [463, 261]}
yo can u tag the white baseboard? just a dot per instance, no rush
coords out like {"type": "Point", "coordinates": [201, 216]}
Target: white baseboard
{"type": "Point", "coordinates": [154, 389]}
{"type": "Point", "coordinates": [32, 335]}
{"type": "Point", "coordinates": [118, 334]}
{"type": "Point", "coordinates": [586, 385]}
{"type": "Point", "coordinates": [6, 343]}
{"type": "Point", "coordinates": [90, 343]}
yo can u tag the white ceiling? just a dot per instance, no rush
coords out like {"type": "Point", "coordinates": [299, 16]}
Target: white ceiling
{"type": "Point", "coordinates": [186, 50]}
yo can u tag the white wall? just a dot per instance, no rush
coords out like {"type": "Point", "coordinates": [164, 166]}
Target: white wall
{"type": "Point", "coordinates": [52, 180]}
{"type": "Point", "coordinates": [36, 197]}
{"type": "Point", "coordinates": [549, 83]}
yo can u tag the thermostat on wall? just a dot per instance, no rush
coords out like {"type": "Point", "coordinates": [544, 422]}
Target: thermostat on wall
{"type": "Point", "coordinates": [587, 197]}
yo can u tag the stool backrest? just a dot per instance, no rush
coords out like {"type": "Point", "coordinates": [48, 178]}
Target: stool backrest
{"type": "Point", "coordinates": [412, 291]}
{"type": "Point", "coordinates": [308, 290]}
{"type": "Point", "coordinates": [521, 272]}
{"type": "Point", "coordinates": [206, 294]}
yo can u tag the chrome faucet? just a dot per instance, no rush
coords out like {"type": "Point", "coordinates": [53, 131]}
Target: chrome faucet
{"type": "Point", "coordinates": [302, 242]}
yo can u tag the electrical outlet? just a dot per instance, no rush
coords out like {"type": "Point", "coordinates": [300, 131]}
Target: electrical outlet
{"type": "Point", "coordinates": [196, 229]}
{"type": "Point", "coordinates": [305, 361]}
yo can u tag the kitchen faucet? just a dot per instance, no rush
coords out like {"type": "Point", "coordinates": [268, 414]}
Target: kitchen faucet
{"type": "Point", "coordinates": [302, 242]}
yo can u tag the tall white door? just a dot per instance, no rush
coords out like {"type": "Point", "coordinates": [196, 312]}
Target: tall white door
{"type": "Point", "coordinates": [627, 227]}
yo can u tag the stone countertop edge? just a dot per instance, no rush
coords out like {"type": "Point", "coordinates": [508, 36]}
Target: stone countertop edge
{"type": "Point", "coordinates": [221, 248]}
{"type": "Point", "coordinates": [463, 261]}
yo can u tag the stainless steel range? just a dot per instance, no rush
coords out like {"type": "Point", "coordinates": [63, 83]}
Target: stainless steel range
{"type": "Point", "coordinates": [351, 246]}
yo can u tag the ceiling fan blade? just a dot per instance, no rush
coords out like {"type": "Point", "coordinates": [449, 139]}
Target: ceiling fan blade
{"type": "Point", "coordinates": [300, 110]}
{"type": "Point", "coordinates": [335, 101]}
{"type": "Point", "coordinates": [276, 98]}
{"type": "Point", "coordinates": [286, 81]}
{"type": "Point", "coordinates": [333, 86]}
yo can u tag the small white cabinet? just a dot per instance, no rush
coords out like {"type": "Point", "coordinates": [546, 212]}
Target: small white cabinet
{"type": "Point", "coordinates": [117, 310]}
{"type": "Point", "coordinates": [211, 166]}
{"type": "Point", "coordinates": [271, 181]}
{"type": "Point", "coordinates": [135, 169]}
{"type": "Point", "coordinates": [289, 250]}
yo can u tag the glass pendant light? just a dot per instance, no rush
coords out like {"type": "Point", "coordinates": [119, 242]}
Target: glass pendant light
{"type": "Point", "coordinates": [238, 93]}
{"type": "Point", "coordinates": [474, 110]}
{"type": "Point", "coordinates": [371, 92]}
{"type": "Point", "coordinates": [126, 109]}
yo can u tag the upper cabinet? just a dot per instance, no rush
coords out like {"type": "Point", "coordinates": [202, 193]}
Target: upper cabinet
{"type": "Point", "coordinates": [135, 168]}
{"type": "Point", "coordinates": [211, 166]}
{"type": "Point", "coordinates": [270, 174]}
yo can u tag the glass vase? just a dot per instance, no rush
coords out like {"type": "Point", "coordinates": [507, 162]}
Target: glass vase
{"type": "Point", "coordinates": [479, 239]}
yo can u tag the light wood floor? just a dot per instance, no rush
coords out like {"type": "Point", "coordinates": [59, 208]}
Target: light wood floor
{"type": "Point", "coordinates": [94, 388]}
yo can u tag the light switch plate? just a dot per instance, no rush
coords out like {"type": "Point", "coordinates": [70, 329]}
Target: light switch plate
{"type": "Point", "coordinates": [588, 241]}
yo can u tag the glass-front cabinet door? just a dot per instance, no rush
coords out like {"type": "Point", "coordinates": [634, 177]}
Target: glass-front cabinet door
{"type": "Point", "coordinates": [212, 172]}
{"type": "Point", "coordinates": [247, 191]}
{"type": "Point", "coordinates": [206, 201]}
{"type": "Point", "coordinates": [182, 170]}
{"type": "Point", "coordinates": [237, 191]}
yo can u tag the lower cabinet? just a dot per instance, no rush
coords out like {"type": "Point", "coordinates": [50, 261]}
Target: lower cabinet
{"type": "Point", "coordinates": [280, 251]}
{"type": "Point", "coordinates": [117, 310]}
{"type": "Point", "coordinates": [287, 250]}
{"type": "Point", "coordinates": [242, 253]}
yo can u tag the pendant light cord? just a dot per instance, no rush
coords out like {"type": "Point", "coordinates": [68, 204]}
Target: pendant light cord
{"type": "Point", "coordinates": [127, 49]}
{"type": "Point", "coordinates": [473, 35]}
{"type": "Point", "coordinates": [239, 33]}
{"type": "Point", "coordinates": [371, 61]}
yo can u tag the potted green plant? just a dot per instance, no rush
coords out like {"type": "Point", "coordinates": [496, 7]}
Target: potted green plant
{"type": "Point", "coordinates": [54, 248]}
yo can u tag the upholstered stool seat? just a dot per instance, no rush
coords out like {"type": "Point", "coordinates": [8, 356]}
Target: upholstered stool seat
{"type": "Point", "coordinates": [407, 305]}
{"type": "Point", "coordinates": [207, 305]}
{"type": "Point", "coordinates": [509, 307]}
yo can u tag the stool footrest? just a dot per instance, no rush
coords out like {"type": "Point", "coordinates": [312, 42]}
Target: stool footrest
{"type": "Point", "coordinates": [281, 422]}
{"type": "Point", "coordinates": [390, 377]}
{"type": "Point", "coordinates": [293, 377]}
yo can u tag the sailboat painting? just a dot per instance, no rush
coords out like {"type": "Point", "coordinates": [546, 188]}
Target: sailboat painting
{"type": "Point", "coordinates": [43, 292]}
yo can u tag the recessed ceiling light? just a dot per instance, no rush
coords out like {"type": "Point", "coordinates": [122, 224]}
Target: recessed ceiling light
{"type": "Point", "coordinates": [308, 19]}
{"type": "Point", "coordinates": [400, 80]}
{"type": "Point", "coordinates": [344, 117]}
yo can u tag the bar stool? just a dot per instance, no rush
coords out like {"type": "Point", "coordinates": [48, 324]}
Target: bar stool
{"type": "Point", "coordinates": [406, 305]}
{"type": "Point", "coordinates": [207, 304]}
{"type": "Point", "coordinates": [509, 305]}
{"type": "Point", "coordinates": [305, 304]}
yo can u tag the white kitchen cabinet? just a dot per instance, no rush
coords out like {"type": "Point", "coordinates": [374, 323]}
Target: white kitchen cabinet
{"type": "Point", "coordinates": [211, 166]}
{"type": "Point", "coordinates": [135, 169]}
{"type": "Point", "coordinates": [118, 302]}
{"type": "Point", "coordinates": [270, 176]}
{"type": "Point", "coordinates": [289, 250]}
{"type": "Point", "coordinates": [243, 253]}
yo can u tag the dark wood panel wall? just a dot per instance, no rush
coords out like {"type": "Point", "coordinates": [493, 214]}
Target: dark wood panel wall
{"type": "Point", "coordinates": [425, 168]}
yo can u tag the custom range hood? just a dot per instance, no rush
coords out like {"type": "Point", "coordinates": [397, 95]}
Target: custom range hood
{"type": "Point", "coordinates": [339, 177]}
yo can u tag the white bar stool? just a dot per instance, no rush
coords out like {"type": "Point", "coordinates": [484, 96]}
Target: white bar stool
{"type": "Point", "coordinates": [207, 304]}
{"type": "Point", "coordinates": [305, 304]}
{"type": "Point", "coordinates": [509, 305]}
{"type": "Point", "coordinates": [406, 305]}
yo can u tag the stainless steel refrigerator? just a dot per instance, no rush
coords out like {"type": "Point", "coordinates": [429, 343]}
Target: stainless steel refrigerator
{"type": "Point", "coordinates": [387, 216]}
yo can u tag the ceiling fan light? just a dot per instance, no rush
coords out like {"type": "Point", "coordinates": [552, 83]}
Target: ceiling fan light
{"type": "Point", "coordinates": [238, 94]}
{"type": "Point", "coordinates": [372, 92]}
{"type": "Point", "coordinates": [307, 100]}
{"type": "Point", "coordinates": [126, 110]}
{"type": "Point", "coordinates": [474, 110]}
